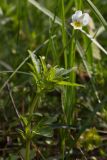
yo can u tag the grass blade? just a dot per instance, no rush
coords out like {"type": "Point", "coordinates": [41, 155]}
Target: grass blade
{"type": "Point", "coordinates": [80, 50]}
{"type": "Point", "coordinates": [94, 41]}
{"type": "Point", "coordinates": [46, 11]}
{"type": "Point", "coordinates": [24, 61]}
{"type": "Point", "coordinates": [98, 14]}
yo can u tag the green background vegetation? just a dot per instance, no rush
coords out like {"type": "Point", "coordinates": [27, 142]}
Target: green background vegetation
{"type": "Point", "coordinates": [76, 117]}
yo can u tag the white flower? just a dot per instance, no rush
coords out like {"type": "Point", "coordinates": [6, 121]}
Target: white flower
{"type": "Point", "coordinates": [79, 20]}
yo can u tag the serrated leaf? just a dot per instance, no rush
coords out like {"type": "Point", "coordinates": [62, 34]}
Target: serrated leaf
{"type": "Point", "coordinates": [65, 83]}
{"type": "Point", "coordinates": [51, 74]}
{"type": "Point", "coordinates": [24, 119]}
{"type": "Point", "coordinates": [44, 67]}
{"type": "Point", "coordinates": [43, 127]}
{"type": "Point", "coordinates": [62, 71]}
{"type": "Point", "coordinates": [48, 120]}
{"type": "Point", "coordinates": [35, 62]}
{"type": "Point", "coordinates": [21, 133]}
{"type": "Point", "coordinates": [44, 131]}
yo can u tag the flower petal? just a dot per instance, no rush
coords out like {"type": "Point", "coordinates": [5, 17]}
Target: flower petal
{"type": "Point", "coordinates": [73, 17]}
{"type": "Point", "coordinates": [86, 19]}
{"type": "Point", "coordinates": [77, 15]}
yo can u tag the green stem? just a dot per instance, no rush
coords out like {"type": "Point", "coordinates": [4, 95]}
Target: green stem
{"type": "Point", "coordinates": [28, 150]}
{"type": "Point", "coordinates": [64, 38]}
{"type": "Point", "coordinates": [34, 104]}
{"type": "Point", "coordinates": [31, 110]}
{"type": "Point", "coordinates": [71, 90]}
{"type": "Point", "coordinates": [78, 4]}
{"type": "Point", "coordinates": [73, 74]}
{"type": "Point", "coordinates": [64, 33]}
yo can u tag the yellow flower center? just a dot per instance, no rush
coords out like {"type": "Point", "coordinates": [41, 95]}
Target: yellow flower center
{"type": "Point", "coordinates": [77, 24]}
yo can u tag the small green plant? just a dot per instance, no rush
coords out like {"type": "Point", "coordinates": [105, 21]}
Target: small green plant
{"type": "Point", "coordinates": [46, 79]}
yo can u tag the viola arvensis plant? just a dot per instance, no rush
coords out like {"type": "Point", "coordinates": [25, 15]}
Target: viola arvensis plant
{"type": "Point", "coordinates": [80, 19]}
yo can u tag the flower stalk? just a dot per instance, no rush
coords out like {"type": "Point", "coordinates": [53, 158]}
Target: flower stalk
{"type": "Point", "coordinates": [28, 149]}
{"type": "Point", "coordinates": [33, 107]}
